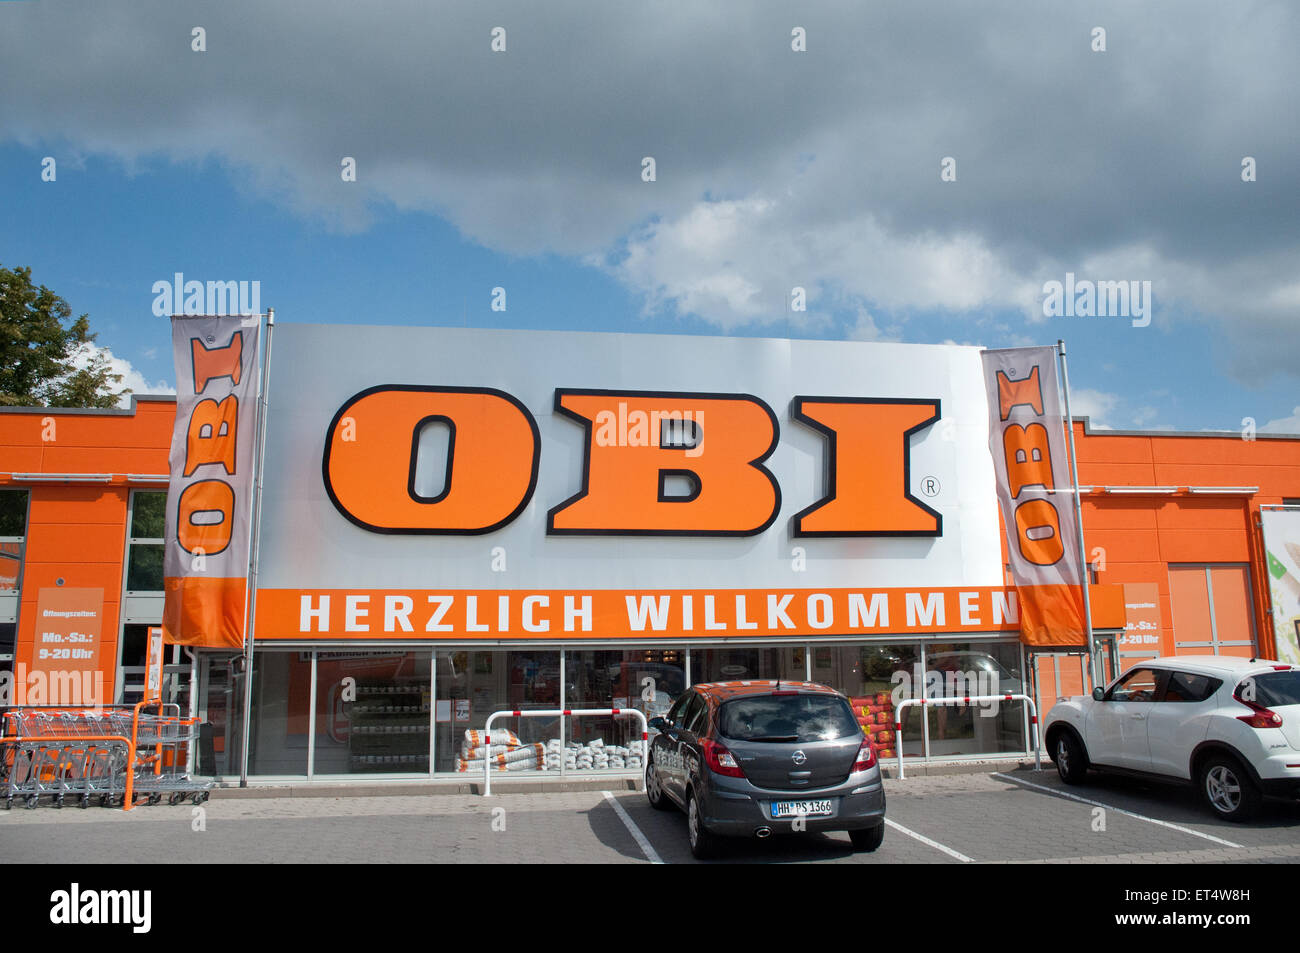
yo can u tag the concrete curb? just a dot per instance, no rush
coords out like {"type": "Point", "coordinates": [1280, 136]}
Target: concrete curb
{"type": "Point", "coordinates": [556, 785]}
{"type": "Point", "coordinates": [426, 788]}
{"type": "Point", "coordinates": [890, 769]}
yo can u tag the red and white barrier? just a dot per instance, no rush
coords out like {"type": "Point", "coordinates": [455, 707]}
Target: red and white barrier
{"type": "Point", "coordinates": [966, 700]}
{"type": "Point", "coordinates": [559, 712]}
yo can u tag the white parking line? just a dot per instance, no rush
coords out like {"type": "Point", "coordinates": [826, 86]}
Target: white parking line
{"type": "Point", "coordinates": [1119, 810]}
{"type": "Point", "coordinates": [930, 843]}
{"type": "Point", "coordinates": [632, 829]}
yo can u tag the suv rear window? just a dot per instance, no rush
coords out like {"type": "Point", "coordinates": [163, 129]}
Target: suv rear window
{"type": "Point", "coordinates": [1274, 689]}
{"type": "Point", "coordinates": [787, 718]}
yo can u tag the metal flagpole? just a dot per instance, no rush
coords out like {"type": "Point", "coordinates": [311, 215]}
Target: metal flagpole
{"type": "Point", "coordinates": [1078, 520]}
{"type": "Point", "coordinates": [250, 617]}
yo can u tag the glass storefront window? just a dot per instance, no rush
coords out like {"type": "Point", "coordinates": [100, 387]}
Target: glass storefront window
{"type": "Point", "coordinates": [144, 572]}
{"type": "Point", "coordinates": [648, 680]}
{"type": "Point", "coordinates": [148, 510]}
{"type": "Point", "coordinates": [474, 684]}
{"type": "Point", "coordinates": [144, 558]}
{"type": "Point", "coordinates": [376, 711]}
{"type": "Point", "coordinates": [875, 676]}
{"type": "Point", "coordinates": [373, 712]}
{"type": "Point", "coordinates": [13, 530]}
{"type": "Point", "coordinates": [220, 708]}
{"type": "Point", "coordinates": [13, 512]}
{"type": "Point", "coordinates": [957, 669]}
{"type": "Point", "coordinates": [281, 713]}
{"type": "Point", "coordinates": [739, 663]}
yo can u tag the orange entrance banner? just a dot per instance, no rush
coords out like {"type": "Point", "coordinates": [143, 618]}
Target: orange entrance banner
{"type": "Point", "coordinates": [470, 614]}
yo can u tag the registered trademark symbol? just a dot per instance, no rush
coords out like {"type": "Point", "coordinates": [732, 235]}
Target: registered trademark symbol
{"type": "Point", "coordinates": [930, 486]}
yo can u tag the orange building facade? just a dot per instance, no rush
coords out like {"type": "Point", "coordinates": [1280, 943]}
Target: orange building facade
{"type": "Point", "coordinates": [1172, 518]}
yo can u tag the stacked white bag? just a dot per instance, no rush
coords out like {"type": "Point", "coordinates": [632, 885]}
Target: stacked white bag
{"type": "Point", "coordinates": [592, 755]}
{"type": "Point", "coordinates": [506, 752]}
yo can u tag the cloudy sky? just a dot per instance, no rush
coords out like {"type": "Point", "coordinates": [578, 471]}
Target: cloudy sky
{"type": "Point", "coordinates": [774, 168]}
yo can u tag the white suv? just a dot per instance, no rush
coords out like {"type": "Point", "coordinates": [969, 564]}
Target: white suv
{"type": "Point", "coordinates": [1229, 725]}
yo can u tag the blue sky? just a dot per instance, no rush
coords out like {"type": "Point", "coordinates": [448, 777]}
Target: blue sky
{"type": "Point", "coordinates": [522, 170]}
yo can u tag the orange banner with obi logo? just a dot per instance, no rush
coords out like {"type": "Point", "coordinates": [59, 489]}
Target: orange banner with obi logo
{"type": "Point", "coordinates": [209, 496]}
{"type": "Point", "coordinates": [1036, 493]}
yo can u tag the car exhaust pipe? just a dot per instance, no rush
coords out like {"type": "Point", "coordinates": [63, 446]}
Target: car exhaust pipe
{"type": "Point", "coordinates": [763, 832]}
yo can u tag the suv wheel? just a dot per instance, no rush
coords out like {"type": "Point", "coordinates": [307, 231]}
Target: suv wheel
{"type": "Point", "coordinates": [1071, 763]}
{"type": "Point", "coordinates": [1228, 789]}
{"type": "Point", "coordinates": [703, 844]}
{"type": "Point", "coordinates": [868, 838]}
{"type": "Point", "coordinates": [654, 789]}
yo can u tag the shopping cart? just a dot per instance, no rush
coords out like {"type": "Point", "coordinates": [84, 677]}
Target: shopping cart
{"type": "Point", "coordinates": [161, 742]}
{"type": "Point", "coordinates": [61, 753]}
{"type": "Point", "coordinates": [114, 754]}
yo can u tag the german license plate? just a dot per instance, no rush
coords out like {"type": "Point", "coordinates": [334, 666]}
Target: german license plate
{"type": "Point", "coordinates": [801, 808]}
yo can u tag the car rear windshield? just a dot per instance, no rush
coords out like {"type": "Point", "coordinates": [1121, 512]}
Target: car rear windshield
{"type": "Point", "coordinates": [1274, 689]}
{"type": "Point", "coordinates": [787, 718]}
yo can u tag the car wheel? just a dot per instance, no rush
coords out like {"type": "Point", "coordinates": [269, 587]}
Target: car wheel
{"type": "Point", "coordinates": [868, 838]}
{"type": "Point", "coordinates": [1228, 789]}
{"type": "Point", "coordinates": [1071, 763]}
{"type": "Point", "coordinates": [654, 789]}
{"type": "Point", "coordinates": [703, 844]}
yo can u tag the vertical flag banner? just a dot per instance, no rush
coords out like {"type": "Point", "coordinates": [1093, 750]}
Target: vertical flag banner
{"type": "Point", "coordinates": [1035, 492]}
{"type": "Point", "coordinates": [209, 497]}
{"type": "Point", "coordinates": [1282, 552]}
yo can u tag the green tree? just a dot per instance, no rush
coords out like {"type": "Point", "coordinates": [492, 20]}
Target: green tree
{"type": "Point", "coordinates": [45, 362]}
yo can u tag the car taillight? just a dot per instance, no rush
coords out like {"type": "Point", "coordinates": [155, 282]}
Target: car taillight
{"type": "Point", "coordinates": [866, 757]}
{"type": "Point", "coordinates": [1260, 717]}
{"type": "Point", "coordinates": [720, 760]}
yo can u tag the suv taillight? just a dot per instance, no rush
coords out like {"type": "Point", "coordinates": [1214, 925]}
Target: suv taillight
{"type": "Point", "coordinates": [720, 760]}
{"type": "Point", "coordinates": [1259, 717]}
{"type": "Point", "coordinates": [866, 756]}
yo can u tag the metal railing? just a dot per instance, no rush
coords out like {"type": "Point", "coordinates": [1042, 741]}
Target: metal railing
{"type": "Point", "coordinates": [966, 700]}
{"type": "Point", "coordinates": [554, 713]}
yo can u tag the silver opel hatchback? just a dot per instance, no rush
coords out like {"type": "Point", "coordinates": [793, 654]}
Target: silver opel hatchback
{"type": "Point", "coordinates": [753, 758]}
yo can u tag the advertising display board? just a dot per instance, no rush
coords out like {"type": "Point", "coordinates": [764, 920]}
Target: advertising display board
{"type": "Point", "coordinates": [1281, 527]}
{"type": "Point", "coordinates": [428, 484]}
{"type": "Point", "coordinates": [63, 665]}
{"type": "Point", "coordinates": [1143, 626]}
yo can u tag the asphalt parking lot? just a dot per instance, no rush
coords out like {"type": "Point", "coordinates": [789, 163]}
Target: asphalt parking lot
{"type": "Point", "coordinates": [1019, 817]}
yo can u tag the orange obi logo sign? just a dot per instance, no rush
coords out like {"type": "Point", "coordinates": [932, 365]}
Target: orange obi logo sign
{"type": "Point", "coordinates": [530, 482]}
{"type": "Point", "coordinates": [654, 463]}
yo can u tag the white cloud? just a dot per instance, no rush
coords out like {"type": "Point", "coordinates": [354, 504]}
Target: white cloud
{"type": "Point", "coordinates": [734, 262]}
{"type": "Point", "coordinates": [1096, 405]}
{"type": "Point", "coordinates": [1287, 425]}
{"type": "Point", "coordinates": [131, 378]}
{"type": "Point", "coordinates": [774, 169]}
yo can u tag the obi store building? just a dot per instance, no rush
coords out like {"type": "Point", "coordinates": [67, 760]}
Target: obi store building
{"type": "Point", "coordinates": [634, 563]}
